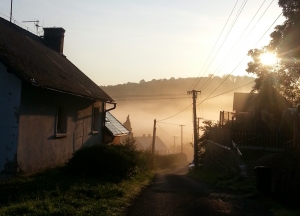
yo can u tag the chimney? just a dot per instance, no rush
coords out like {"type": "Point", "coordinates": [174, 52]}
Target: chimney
{"type": "Point", "coordinates": [149, 135]}
{"type": "Point", "coordinates": [55, 38]}
{"type": "Point", "coordinates": [143, 135]}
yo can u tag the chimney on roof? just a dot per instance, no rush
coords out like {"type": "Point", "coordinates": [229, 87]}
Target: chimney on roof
{"type": "Point", "coordinates": [55, 38]}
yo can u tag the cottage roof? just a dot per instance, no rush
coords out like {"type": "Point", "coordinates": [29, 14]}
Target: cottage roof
{"type": "Point", "coordinates": [145, 142]}
{"type": "Point", "coordinates": [28, 56]}
{"type": "Point", "coordinates": [114, 126]}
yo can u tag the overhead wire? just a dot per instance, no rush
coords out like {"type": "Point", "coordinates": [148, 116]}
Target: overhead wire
{"type": "Point", "coordinates": [243, 58]}
{"type": "Point", "coordinates": [221, 66]}
{"type": "Point", "coordinates": [176, 113]}
{"type": "Point", "coordinates": [208, 98]}
{"type": "Point", "coordinates": [163, 130]}
{"type": "Point", "coordinates": [223, 42]}
{"type": "Point", "coordinates": [214, 46]}
{"type": "Point", "coordinates": [161, 121]}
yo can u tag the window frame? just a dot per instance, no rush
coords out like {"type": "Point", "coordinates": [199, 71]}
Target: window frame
{"type": "Point", "coordinates": [95, 119]}
{"type": "Point", "coordinates": [60, 122]}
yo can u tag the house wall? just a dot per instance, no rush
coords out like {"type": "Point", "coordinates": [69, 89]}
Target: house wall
{"type": "Point", "coordinates": [10, 94]}
{"type": "Point", "coordinates": [39, 147]}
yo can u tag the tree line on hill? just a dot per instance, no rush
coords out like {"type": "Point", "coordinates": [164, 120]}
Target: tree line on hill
{"type": "Point", "coordinates": [175, 87]}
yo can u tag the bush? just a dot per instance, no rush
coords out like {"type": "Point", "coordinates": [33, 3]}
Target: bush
{"type": "Point", "coordinates": [105, 160]}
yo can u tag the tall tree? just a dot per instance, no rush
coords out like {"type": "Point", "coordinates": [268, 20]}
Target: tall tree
{"type": "Point", "coordinates": [285, 42]}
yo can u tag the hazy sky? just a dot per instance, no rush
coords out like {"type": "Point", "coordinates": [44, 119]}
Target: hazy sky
{"type": "Point", "coordinates": [126, 41]}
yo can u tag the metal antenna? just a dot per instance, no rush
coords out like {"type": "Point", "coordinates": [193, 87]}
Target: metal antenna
{"type": "Point", "coordinates": [36, 24]}
{"type": "Point", "coordinates": [11, 2]}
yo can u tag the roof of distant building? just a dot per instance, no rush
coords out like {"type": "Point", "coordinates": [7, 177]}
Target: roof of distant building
{"type": "Point", "coordinates": [145, 143]}
{"type": "Point", "coordinates": [30, 58]}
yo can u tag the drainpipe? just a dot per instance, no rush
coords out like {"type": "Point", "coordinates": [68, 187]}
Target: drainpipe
{"type": "Point", "coordinates": [104, 116]}
{"type": "Point", "coordinates": [114, 107]}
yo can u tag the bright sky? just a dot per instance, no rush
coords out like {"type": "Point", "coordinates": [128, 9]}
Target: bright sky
{"type": "Point", "coordinates": [115, 42]}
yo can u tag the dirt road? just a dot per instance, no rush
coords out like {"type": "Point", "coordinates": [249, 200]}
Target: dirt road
{"type": "Point", "coordinates": [175, 194]}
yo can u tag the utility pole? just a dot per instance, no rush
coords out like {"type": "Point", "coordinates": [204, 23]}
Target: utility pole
{"type": "Point", "coordinates": [153, 138]}
{"type": "Point", "coordinates": [194, 92]}
{"type": "Point", "coordinates": [181, 138]}
{"type": "Point", "coordinates": [174, 143]}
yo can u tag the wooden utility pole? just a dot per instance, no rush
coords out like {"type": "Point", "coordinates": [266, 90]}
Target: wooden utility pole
{"type": "Point", "coordinates": [181, 139]}
{"type": "Point", "coordinates": [196, 159]}
{"type": "Point", "coordinates": [153, 138]}
{"type": "Point", "coordinates": [174, 143]}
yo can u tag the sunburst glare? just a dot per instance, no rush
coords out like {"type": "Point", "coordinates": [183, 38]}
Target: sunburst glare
{"type": "Point", "coordinates": [268, 58]}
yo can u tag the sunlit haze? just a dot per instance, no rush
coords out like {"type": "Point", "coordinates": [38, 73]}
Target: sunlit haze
{"type": "Point", "coordinates": [126, 41]}
{"type": "Point", "coordinates": [115, 42]}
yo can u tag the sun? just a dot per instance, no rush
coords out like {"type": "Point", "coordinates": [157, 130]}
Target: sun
{"type": "Point", "coordinates": [268, 58]}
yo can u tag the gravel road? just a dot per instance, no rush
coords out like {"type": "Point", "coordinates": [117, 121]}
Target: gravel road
{"type": "Point", "coordinates": [173, 193]}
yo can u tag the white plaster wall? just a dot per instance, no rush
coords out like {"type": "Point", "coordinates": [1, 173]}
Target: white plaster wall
{"type": "Point", "coordinates": [10, 94]}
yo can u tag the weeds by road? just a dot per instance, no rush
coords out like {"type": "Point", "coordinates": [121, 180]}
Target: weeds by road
{"type": "Point", "coordinates": [57, 192]}
{"type": "Point", "coordinates": [245, 187]}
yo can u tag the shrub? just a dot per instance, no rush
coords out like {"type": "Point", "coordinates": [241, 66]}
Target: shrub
{"type": "Point", "coordinates": [105, 160]}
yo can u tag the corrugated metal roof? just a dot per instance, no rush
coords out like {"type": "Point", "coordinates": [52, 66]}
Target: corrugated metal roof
{"type": "Point", "coordinates": [114, 126]}
{"type": "Point", "coordinates": [28, 56]}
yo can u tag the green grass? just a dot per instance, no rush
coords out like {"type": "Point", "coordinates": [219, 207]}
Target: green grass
{"type": "Point", "coordinates": [57, 192]}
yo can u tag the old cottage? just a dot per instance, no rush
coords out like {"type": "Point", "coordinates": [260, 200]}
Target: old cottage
{"type": "Point", "coordinates": [48, 107]}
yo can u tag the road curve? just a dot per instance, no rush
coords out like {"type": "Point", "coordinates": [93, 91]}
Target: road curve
{"type": "Point", "coordinates": [175, 194]}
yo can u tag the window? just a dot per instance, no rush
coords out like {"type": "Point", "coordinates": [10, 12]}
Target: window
{"type": "Point", "coordinates": [95, 120]}
{"type": "Point", "coordinates": [61, 122]}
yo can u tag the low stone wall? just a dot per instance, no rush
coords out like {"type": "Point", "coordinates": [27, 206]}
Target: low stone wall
{"type": "Point", "coordinates": [221, 158]}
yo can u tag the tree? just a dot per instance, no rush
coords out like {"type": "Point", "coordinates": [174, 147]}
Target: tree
{"type": "Point", "coordinates": [285, 42]}
{"type": "Point", "coordinates": [207, 126]}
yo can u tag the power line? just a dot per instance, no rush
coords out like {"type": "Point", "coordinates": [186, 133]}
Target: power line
{"type": "Point", "coordinates": [223, 42]}
{"type": "Point", "coordinates": [229, 54]}
{"type": "Point", "coordinates": [243, 58]}
{"type": "Point", "coordinates": [147, 95]}
{"type": "Point", "coordinates": [175, 114]}
{"type": "Point", "coordinates": [163, 130]}
{"type": "Point", "coordinates": [214, 46]}
{"type": "Point", "coordinates": [224, 92]}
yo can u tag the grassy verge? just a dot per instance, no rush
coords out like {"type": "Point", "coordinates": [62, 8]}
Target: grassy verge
{"type": "Point", "coordinates": [235, 184]}
{"type": "Point", "coordinates": [57, 192]}
{"type": "Point", "coordinates": [244, 186]}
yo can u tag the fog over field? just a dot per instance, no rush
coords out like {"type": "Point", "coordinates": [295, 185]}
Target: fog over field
{"type": "Point", "coordinates": [147, 101]}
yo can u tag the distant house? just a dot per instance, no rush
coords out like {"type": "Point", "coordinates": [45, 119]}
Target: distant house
{"type": "Point", "coordinates": [48, 107]}
{"type": "Point", "coordinates": [263, 110]}
{"type": "Point", "coordinates": [145, 143]}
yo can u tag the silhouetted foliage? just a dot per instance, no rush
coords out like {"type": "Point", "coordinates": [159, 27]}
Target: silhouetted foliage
{"type": "Point", "coordinates": [285, 42]}
{"type": "Point", "coordinates": [208, 125]}
{"type": "Point", "coordinates": [118, 161]}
